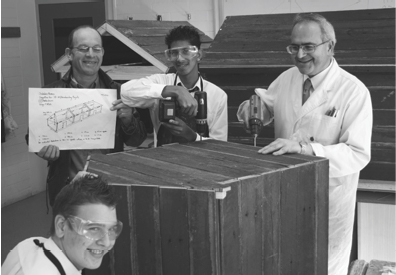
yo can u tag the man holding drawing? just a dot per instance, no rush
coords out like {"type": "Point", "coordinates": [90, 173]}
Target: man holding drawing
{"type": "Point", "coordinates": [85, 53]}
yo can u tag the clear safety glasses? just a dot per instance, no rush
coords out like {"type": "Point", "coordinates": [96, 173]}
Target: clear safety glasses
{"type": "Point", "coordinates": [95, 230]}
{"type": "Point", "coordinates": [309, 48]}
{"type": "Point", "coordinates": [186, 52]}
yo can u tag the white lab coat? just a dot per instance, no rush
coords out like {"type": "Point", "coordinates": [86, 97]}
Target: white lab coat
{"type": "Point", "coordinates": [345, 140]}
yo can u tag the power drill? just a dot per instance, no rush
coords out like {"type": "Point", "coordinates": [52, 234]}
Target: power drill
{"type": "Point", "coordinates": [255, 117]}
{"type": "Point", "coordinates": [201, 119]}
{"type": "Point", "coordinates": [167, 111]}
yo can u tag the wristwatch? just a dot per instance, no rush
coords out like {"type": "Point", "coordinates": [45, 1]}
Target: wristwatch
{"type": "Point", "coordinates": [303, 148]}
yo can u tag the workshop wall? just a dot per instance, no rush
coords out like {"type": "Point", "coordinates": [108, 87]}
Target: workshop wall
{"type": "Point", "coordinates": [22, 173]}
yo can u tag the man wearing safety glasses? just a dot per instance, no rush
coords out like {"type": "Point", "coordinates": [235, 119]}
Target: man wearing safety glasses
{"type": "Point", "coordinates": [84, 229]}
{"type": "Point", "coordinates": [320, 109]}
{"type": "Point", "coordinates": [184, 54]}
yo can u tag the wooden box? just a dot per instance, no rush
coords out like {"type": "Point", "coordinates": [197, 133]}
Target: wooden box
{"type": "Point", "coordinates": [214, 207]}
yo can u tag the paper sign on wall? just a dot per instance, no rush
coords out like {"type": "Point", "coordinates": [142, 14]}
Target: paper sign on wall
{"type": "Point", "coordinates": [71, 118]}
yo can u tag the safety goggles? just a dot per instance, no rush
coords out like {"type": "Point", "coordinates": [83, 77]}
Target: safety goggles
{"type": "Point", "coordinates": [95, 230]}
{"type": "Point", "coordinates": [186, 52]}
{"type": "Point", "coordinates": [309, 48]}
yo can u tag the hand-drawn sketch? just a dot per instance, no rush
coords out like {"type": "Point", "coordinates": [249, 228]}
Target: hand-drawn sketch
{"type": "Point", "coordinates": [72, 119]}
{"type": "Point", "coordinates": [66, 117]}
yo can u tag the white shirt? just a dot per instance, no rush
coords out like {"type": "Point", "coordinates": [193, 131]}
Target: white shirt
{"type": "Point", "coordinates": [344, 139]}
{"type": "Point", "coordinates": [146, 93]}
{"type": "Point", "coordinates": [29, 259]}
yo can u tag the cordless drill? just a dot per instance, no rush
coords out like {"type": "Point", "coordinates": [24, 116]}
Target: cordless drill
{"type": "Point", "coordinates": [255, 117]}
{"type": "Point", "coordinates": [167, 111]}
{"type": "Point", "coordinates": [202, 114]}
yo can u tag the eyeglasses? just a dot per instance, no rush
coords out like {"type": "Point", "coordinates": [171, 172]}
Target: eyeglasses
{"type": "Point", "coordinates": [95, 230]}
{"type": "Point", "coordinates": [310, 48]}
{"type": "Point", "coordinates": [185, 52]}
{"type": "Point", "coordinates": [85, 49]}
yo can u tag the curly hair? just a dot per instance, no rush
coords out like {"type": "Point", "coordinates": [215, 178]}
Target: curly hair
{"type": "Point", "coordinates": [183, 33]}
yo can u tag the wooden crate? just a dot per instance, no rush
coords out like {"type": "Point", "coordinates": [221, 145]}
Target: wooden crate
{"type": "Point", "coordinates": [214, 207]}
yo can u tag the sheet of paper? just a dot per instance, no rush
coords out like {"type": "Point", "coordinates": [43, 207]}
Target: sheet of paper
{"type": "Point", "coordinates": [71, 118]}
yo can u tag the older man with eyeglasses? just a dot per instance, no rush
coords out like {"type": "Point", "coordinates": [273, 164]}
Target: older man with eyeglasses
{"type": "Point", "coordinates": [85, 53]}
{"type": "Point", "coordinates": [320, 109]}
{"type": "Point", "coordinates": [84, 229]}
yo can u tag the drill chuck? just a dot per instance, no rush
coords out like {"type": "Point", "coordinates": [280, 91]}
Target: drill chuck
{"type": "Point", "coordinates": [255, 116]}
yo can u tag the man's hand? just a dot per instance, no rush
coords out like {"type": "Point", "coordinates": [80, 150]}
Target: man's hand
{"type": "Point", "coordinates": [49, 153]}
{"type": "Point", "coordinates": [187, 103]}
{"type": "Point", "coordinates": [179, 128]}
{"type": "Point", "coordinates": [243, 114]}
{"type": "Point", "coordinates": [281, 146]}
{"type": "Point", "coordinates": [124, 112]}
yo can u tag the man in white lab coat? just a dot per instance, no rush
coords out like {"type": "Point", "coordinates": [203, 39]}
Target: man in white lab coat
{"type": "Point", "coordinates": [321, 110]}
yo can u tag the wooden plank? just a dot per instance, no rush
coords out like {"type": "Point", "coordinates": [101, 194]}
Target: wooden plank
{"type": "Point", "coordinates": [10, 32]}
{"type": "Point", "coordinates": [203, 225]}
{"type": "Point", "coordinates": [383, 134]}
{"type": "Point", "coordinates": [322, 217]}
{"type": "Point", "coordinates": [377, 186]}
{"type": "Point", "coordinates": [140, 169]}
{"type": "Point", "coordinates": [174, 231]}
{"type": "Point", "coordinates": [376, 197]}
{"type": "Point", "coordinates": [384, 118]}
{"type": "Point", "coordinates": [297, 198]}
{"type": "Point", "coordinates": [246, 156]}
{"type": "Point", "coordinates": [145, 213]}
{"type": "Point", "coordinates": [124, 256]}
{"type": "Point", "coordinates": [379, 171]}
{"type": "Point", "coordinates": [272, 223]}
{"type": "Point", "coordinates": [200, 163]}
{"type": "Point", "coordinates": [382, 97]}
{"type": "Point", "coordinates": [251, 218]}
{"type": "Point", "coordinates": [230, 231]}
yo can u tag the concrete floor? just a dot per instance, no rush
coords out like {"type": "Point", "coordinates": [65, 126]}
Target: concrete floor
{"type": "Point", "coordinates": [24, 219]}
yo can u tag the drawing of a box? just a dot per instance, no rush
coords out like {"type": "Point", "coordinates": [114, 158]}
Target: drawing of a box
{"type": "Point", "coordinates": [66, 117]}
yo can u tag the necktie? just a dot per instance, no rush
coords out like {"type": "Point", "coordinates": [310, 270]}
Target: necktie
{"type": "Point", "coordinates": [307, 87]}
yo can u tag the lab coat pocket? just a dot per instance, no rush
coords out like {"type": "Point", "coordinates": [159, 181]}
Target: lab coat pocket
{"type": "Point", "coordinates": [325, 129]}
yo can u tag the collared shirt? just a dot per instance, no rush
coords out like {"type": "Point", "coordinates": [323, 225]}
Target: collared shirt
{"type": "Point", "coordinates": [319, 78]}
{"type": "Point", "coordinates": [29, 259]}
{"type": "Point", "coordinates": [146, 93]}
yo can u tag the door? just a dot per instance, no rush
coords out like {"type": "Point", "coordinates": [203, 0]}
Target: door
{"type": "Point", "coordinates": [56, 23]}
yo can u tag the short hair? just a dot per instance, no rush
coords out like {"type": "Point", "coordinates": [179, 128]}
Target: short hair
{"type": "Point", "coordinates": [183, 33]}
{"type": "Point", "coordinates": [326, 27]}
{"type": "Point", "coordinates": [80, 192]}
{"type": "Point", "coordinates": [71, 35]}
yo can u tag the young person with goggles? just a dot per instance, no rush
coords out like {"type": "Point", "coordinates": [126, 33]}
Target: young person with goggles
{"type": "Point", "coordinates": [184, 54]}
{"type": "Point", "coordinates": [84, 229]}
